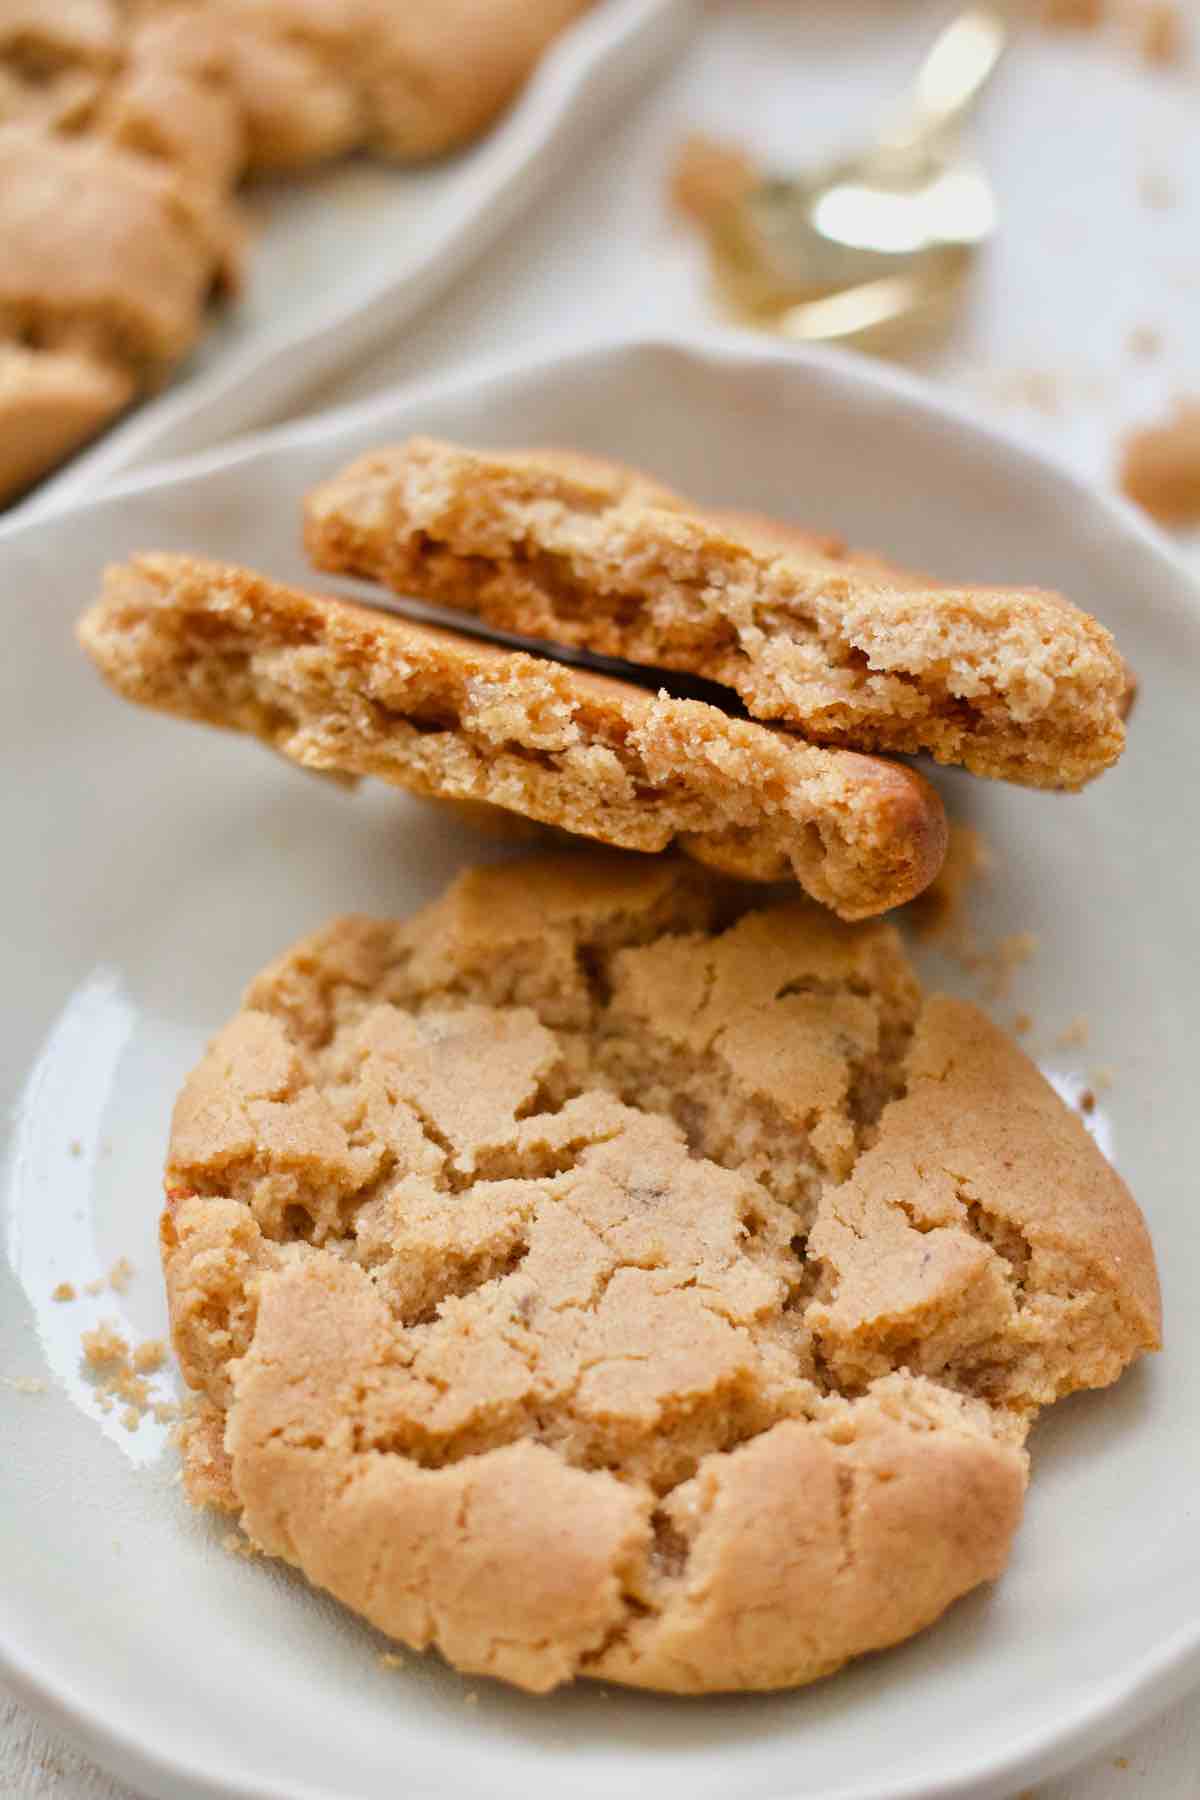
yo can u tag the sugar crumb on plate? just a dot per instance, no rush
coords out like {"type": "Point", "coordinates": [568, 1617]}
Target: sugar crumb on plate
{"type": "Point", "coordinates": [1073, 1035]}
{"type": "Point", "coordinates": [940, 911]}
{"type": "Point", "coordinates": [104, 1345]}
{"type": "Point", "coordinates": [1155, 189]}
{"type": "Point", "coordinates": [1144, 341]}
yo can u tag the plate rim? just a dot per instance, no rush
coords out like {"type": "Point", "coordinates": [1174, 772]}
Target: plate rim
{"type": "Point", "coordinates": [1162, 1674]}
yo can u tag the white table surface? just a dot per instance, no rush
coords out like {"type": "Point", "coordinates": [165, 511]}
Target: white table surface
{"type": "Point", "coordinates": [1076, 133]}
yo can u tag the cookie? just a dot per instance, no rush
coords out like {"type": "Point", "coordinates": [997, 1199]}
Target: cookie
{"type": "Point", "coordinates": [293, 110]}
{"type": "Point", "coordinates": [125, 126]}
{"type": "Point", "coordinates": [598, 1274]}
{"type": "Point", "coordinates": [55, 60]}
{"type": "Point", "coordinates": [419, 79]}
{"type": "Point", "coordinates": [342, 687]}
{"type": "Point", "coordinates": [103, 253]}
{"type": "Point", "coordinates": [1011, 682]}
{"type": "Point", "coordinates": [49, 405]}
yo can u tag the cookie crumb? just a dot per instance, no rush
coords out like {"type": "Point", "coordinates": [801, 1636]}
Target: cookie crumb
{"type": "Point", "coordinates": [104, 1345]}
{"type": "Point", "coordinates": [1155, 190]}
{"type": "Point", "coordinates": [64, 1291]}
{"type": "Point", "coordinates": [1160, 466]}
{"type": "Point", "coordinates": [390, 1659]}
{"type": "Point", "coordinates": [1159, 33]}
{"type": "Point", "coordinates": [1023, 1023]}
{"type": "Point", "coordinates": [1087, 1102]}
{"type": "Point", "coordinates": [1073, 1035]}
{"type": "Point", "coordinates": [149, 1356]}
{"type": "Point", "coordinates": [1040, 390]}
{"type": "Point", "coordinates": [708, 175]}
{"type": "Point", "coordinates": [120, 1275]}
{"type": "Point", "coordinates": [1072, 15]}
{"type": "Point", "coordinates": [75, 1147]}
{"type": "Point", "coordinates": [1145, 341]}
{"type": "Point", "coordinates": [995, 966]}
{"type": "Point", "coordinates": [121, 1374]}
{"type": "Point", "coordinates": [939, 911]}
{"type": "Point", "coordinates": [94, 1287]}
{"type": "Point", "coordinates": [1120, 1762]}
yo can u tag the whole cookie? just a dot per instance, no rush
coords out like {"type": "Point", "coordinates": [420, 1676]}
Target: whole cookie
{"type": "Point", "coordinates": [598, 1275]}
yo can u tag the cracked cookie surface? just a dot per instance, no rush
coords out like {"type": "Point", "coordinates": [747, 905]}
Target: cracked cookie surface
{"type": "Point", "coordinates": [1015, 683]}
{"type": "Point", "coordinates": [599, 1275]}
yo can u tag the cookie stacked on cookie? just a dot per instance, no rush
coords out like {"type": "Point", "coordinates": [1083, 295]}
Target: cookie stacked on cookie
{"type": "Point", "coordinates": [125, 126]}
{"type": "Point", "coordinates": [622, 1269]}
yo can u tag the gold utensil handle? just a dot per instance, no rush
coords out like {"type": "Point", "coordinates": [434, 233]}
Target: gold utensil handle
{"type": "Point", "coordinates": [953, 74]}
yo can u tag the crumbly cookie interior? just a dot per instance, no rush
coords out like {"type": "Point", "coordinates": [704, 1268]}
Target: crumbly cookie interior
{"type": "Point", "coordinates": [1013, 683]}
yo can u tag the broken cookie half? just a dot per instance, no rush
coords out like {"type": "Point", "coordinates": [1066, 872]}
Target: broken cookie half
{"type": "Point", "coordinates": [345, 688]}
{"type": "Point", "coordinates": [1015, 683]}
{"type": "Point", "coordinates": [602, 1273]}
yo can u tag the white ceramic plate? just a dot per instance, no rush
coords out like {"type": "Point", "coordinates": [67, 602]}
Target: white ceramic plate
{"type": "Point", "coordinates": [343, 257]}
{"type": "Point", "coordinates": [151, 868]}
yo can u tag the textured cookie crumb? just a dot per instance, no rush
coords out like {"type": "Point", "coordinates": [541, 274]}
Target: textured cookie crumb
{"type": "Point", "coordinates": [120, 1275]}
{"type": "Point", "coordinates": [104, 1345]}
{"type": "Point", "coordinates": [120, 1375]}
{"type": "Point", "coordinates": [64, 1291]}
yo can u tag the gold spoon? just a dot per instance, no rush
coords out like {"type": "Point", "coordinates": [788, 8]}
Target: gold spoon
{"type": "Point", "coordinates": [875, 239]}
